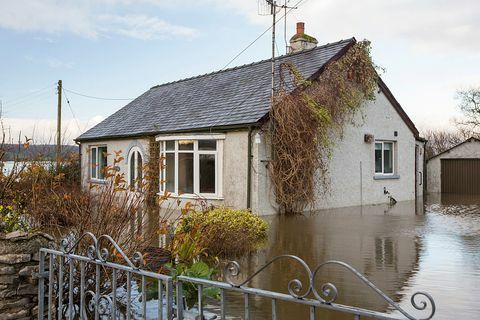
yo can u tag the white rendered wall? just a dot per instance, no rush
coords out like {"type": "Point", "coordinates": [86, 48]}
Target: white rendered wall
{"type": "Point", "coordinates": [124, 146]}
{"type": "Point", "coordinates": [352, 166]}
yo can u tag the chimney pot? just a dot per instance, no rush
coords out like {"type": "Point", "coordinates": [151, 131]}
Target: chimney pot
{"type": "Point", "coordinates": [300, 27]}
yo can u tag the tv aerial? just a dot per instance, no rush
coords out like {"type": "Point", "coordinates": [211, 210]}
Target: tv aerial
{"type": "Point", "coordinates": [271, 7]}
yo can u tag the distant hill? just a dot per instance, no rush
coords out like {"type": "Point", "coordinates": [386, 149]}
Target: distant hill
{"type": "Point", "coordinates": [34, 151]}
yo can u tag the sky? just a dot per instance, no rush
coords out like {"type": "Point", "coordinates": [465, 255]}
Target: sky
{"type": "Point", "coordinates": [118, 49]}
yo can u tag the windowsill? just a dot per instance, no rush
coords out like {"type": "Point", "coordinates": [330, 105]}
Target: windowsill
{"type": "Point", "coordinates": [386, 177]}
{"type": "Point", "coordinates": [192, 196]}
{"type": "Point", "coordinates": [98, 181]}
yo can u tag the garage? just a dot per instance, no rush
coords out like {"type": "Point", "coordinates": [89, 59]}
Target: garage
{"type": "Point", "coordinates": [460, 176]}
{"type": "Point", "coordinates": [456, 170]}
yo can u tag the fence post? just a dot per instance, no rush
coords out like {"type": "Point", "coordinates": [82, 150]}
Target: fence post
{"type": "Point", "coordinates": [179, 299]}
{"type": "Point", "coordinates": [169, 298]}
{"type": "Point", "coordinates": [41, 285]}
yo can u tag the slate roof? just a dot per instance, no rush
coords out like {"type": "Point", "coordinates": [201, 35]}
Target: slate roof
{"type": "Point", "coordinates": [227, 98]}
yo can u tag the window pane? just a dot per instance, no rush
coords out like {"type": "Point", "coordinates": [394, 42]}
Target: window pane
{"type": "Point", "coordinates": [170, 172]}
{"type": "Point", "coordinates": [132, 170]}
{"type": "Point", "coordinates": [102, 162]}
{"type": "Point", "coordinates": [378, 158]}
{"type": "Point", "coordinates": [94, 162]}
{"type": "Point", "coordinates": [388, 157]}
{"type": "Point", "coordinates": [139, 169]}
{"type": "Point", "coordinates": [207, 144]}
{"type": "Point", "coordinates": [207, 173]}
{"type": "Point", "coordinates": [185, 173]}
{"type": "Point", "coordinates": [170, 145]}
{"type": "Point", "coordinates": [185, 144]}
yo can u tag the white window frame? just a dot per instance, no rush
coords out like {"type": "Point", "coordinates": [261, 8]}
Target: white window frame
{"type": "Point", "coordinates": [97, 167]}
{"type": "Point", "coordinates": [219, 138]}
{"type": "Point", "coordinates": [383, 161]}
{"type": "Point", "coordinates": [130, 154]}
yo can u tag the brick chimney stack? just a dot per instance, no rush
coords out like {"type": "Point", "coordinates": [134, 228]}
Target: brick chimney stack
{"type": "Point", "coordinates": [301, 41]}
{"type": "Point", "coordinates": [300, 27]}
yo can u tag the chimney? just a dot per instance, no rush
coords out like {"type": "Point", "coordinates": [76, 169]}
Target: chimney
{"type": "Point", "coordinates": [301, 41]}
{"type": "Point", "coordinates": [300, 27]}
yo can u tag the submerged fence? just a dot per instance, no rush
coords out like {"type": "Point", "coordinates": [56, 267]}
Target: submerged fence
{"type": "Point", "coordinates": [90, 286]}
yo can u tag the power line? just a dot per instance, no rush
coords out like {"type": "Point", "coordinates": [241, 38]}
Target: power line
{"type": "Point", "coordinates": [28, 99]}
{"type": "Point", "coordinates": [30, 93]}
{"type": "Point", "coordinates": [71, 110]}
{"type": "Point", "coordinates": [248, 46]}
{"type": "Point", "coordinates": [93, 97]}
{"type": "Point", "coordinates": [26, 103]}
{"type": "Point", "coordinates": [262, 34]}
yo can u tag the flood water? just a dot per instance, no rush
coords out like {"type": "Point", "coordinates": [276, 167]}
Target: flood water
{"type": "Point", "coordinates": [432, 246]}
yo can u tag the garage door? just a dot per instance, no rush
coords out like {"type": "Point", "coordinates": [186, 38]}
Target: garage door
{"type": "Point", "coordinates": [460, 176]}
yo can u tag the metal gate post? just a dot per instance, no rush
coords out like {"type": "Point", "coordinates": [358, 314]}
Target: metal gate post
{"type": "Point", "coordinates": [41, 285]}
{"type": "Point", "coordinates": [179, 300]}
{"type": "Point", "coordinates": [169, 293]}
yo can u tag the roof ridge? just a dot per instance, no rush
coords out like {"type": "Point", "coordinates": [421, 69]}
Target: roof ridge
{"type": "Point", "coordinates": [253, 63]}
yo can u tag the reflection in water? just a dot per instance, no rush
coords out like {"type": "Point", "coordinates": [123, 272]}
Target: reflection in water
{"type": "Point", "coordinates": [401, 249]}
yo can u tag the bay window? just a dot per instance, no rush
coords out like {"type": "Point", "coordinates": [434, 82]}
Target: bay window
{"type": "Point", "coordinates": [384, 157]}
{"type": "Point", "coordinates": [192, 165]}
{"type": "Point", "coordinates": [98, 162]}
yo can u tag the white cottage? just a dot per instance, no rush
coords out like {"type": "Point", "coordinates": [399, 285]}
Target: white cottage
{"type": "Point", "coordinates": [207, 129]}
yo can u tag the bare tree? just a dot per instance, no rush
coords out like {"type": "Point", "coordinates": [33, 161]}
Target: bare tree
{"type": "Point", "coordinates": [440, 140]}
{"type": "Point", "coordinates": [470, 106]}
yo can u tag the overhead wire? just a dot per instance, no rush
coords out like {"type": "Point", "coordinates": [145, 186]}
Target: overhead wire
{"type": "Point", "coordinates": [29, 99]}
{"type": "Point", "coordinates": [30, 94]}
{"type": "Point", "coordinates": [71, 110]}
{"type": "Point", "coordinates": [94, 97]}
{"type": "Point", "coordinates": [223, 68]}
{"type": "Point", "coordinates": [248, 46]}
{"type": "Point", "coordinates": [29, 104]}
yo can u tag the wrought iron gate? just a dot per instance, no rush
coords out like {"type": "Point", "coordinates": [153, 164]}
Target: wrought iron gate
{"type": "Point", "coordinates": [90, 286]}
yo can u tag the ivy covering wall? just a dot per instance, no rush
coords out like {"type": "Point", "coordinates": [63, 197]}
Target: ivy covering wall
{"type": "Point", "coordinates": [307, 116]}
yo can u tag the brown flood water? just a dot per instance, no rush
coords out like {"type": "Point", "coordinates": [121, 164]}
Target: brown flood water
{"type": "Point", "coordinates": [433, 247]}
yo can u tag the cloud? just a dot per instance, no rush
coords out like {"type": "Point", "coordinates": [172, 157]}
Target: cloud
{"type": "Point", "coordinates": [85, 19]}
{"type": "Point", "coordinates": [142, 27]}
{"type": "Point", "coordinates": [427, 25]}
{"type": "Point", "coordinates": [48, 16]}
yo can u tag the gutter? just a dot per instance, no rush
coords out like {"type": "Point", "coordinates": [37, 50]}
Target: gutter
{"type": "Point", "coordinates": [191, 130]}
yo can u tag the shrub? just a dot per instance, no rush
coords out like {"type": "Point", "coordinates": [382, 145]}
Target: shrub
{"type": "Point", "coordinates": [11, 220]}
{"type": "Point", "coordinates": [223, 232]}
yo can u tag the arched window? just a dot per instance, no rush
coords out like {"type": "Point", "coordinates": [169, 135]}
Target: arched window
{"type": "Point", "coordinates": [135, 168]}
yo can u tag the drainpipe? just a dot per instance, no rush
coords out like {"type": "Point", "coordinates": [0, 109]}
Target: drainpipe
{"type": "Point", "coordinates": [249, 169]}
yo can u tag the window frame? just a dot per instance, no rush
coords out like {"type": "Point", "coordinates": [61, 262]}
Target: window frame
{"type": "Point", "coordinates": [382, 173]}
{"type": "Point", "coordinates": [97, 166]}
{"type": "Point", "coordinates": [133, 151]}
{"type": "Point", "coordinates": [219, 138]}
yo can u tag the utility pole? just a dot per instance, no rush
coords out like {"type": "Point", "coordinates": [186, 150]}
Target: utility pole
{"type": "Point", "coordinates": [274, 15]}
{"type": "Point", "coordinates": [59, 125]}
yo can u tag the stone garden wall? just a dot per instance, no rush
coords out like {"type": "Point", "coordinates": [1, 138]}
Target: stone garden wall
{"type": "Point", "coordinates": [19, 253]}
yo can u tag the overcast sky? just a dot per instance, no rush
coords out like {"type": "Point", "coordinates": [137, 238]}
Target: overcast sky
{"type": "Point", "coordinates": [120, 48]}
